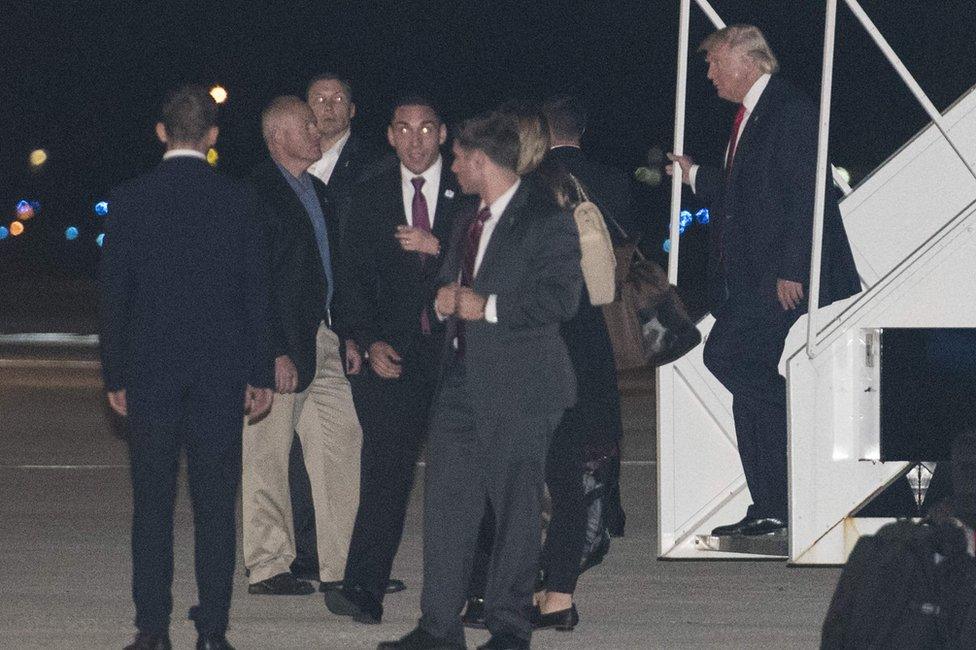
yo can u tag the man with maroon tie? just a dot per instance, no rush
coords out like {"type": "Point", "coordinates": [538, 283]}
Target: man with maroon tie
{"type": "Point", "coordinates": [759, 255]}
{"type": "Point", "coordinates": [396, 224]}
{"type": "Point", "coordinates": [510, 277]}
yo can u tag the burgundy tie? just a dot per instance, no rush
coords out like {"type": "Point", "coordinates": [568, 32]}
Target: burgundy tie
{"type": "Point", "coordinates": [421, 219]}
{"type": "Point", "coordinates": [734, 138]}
{"type": "Point", "coordinates": [475, 229]}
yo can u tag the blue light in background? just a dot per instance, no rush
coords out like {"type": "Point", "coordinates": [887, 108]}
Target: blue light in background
{"type": "Point", "coordinates": [4, 233]}
{"type": "Point", "coordinates": [702, 216]}
{"type": "Point", "coordinates": [666, 245]}
{"type": "Point", "coordinates": [35, 204]}
{"type": "Point", "coordinates": [71, 233]}
{"type": "Point", "coordinates": [23, 206]}
{"type": "Point", "coordinates": [101, 208]}
{"type": "Point", "coordinates": [100, 240]}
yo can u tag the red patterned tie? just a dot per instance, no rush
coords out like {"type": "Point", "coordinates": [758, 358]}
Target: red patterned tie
{"type": "Point", "coordinates": [475, 229]}
{"type": "Point", "coordinates": [734, 138]}
{"type": "Point", "coordinates": [420, 216]}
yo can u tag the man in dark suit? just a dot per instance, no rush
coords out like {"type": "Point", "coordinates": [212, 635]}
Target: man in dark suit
{"type": "Point", "coordinates": [184, 345]}
{"type": "Point", "coordinates": [511, 276]}
{"type": "Point", "coordinates": [759, 255]}
{"type": "Point", "coordinates": [314, 395]}
{"type": "Point", "coordinates": [343, 159]}
{"type": "Point", "coordinates": [398, 219]}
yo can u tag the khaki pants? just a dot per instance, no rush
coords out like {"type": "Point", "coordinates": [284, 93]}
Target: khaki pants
{"type": "Point", "coordinates": [325, 419]}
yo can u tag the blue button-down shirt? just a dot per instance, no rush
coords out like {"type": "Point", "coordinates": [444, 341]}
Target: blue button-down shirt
{"type": "Point", "coordinates": [305, 191]}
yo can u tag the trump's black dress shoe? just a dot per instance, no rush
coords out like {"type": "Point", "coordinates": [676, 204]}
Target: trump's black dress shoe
{"type": "Point", "coordinates": [150, 641]}
{"type": "Point", "coordinates": [505, 642]}
{"type": "Point", "coordinates": [283, 584]}
{"type": "Point", "coordinates": [762, 526]}
{"type": "Point", "coordinates": [732, 529]}
{"type": "Point", "coordinates": [474, 614]}
{"type": "Point", "coordinates": [212, 641]}
{"type": "Point", "coordinates": [420, 639]}
{"type": "Point", "coordinates": [564, 620]}
{"type": "Point", "coordinates": [355, 602]}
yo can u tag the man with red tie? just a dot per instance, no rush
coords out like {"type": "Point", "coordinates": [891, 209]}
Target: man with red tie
{"type": "Point", "coordinates": [397, 221]}
{"type": "Point", "coordinates": [759, 255]}
{"type": "Point", "coordinates": [510, 277]}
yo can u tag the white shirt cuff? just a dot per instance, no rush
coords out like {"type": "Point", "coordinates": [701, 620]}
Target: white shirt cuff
{"type": "Point", "coordinates": [491, 308]}
{"type": "Point", "coordinates": [692, 175]}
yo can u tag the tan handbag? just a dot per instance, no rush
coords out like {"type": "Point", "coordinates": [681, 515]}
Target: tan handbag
{"type": "Point", "coordinates": [596, 247]}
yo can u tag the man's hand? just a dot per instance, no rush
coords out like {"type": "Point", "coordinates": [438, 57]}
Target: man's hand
{"type": "Point", "coordinates": [257, 402]}
{"type": "Point", "coordinates": [789, 293]}
{"type": "Point", "coordinates": [354, 360]}
{"type": "Point", "coordinates": [286, 375]}
{"type": "Point", "coordinates": [417, 240]}
{"type": "Point", "coordinates": [384, 360]}
{"type": "Point", "coordinates": [446, 301]}
{"type": "Point", "coordinates": [685, 163]}
{"type": "Point", "coordinates": [470, 305]}
{"type": "Point", "coordinates": [116, 399]}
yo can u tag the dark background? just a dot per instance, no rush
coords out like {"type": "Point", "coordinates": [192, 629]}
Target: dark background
{"type": "Point", "coordinates": [83, 80]}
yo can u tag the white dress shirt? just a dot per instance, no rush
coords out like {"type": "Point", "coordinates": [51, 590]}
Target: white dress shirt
{"type": "Point", "coordinates": [749, 101]}
{"type": "Point", "coordinates": [324, 166]}
{"type": "Point", "coordinates": [497, 207]}
{"type": "Point", "coordinates": [192, 153]}
{"type": "Point", "coordinates": [430, 189]}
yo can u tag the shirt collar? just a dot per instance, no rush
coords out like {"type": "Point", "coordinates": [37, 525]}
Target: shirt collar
{"type": "Point", "coordinates": [498, 206]}
{"type": "Point", "coordinates": [302, 179]}
{"type": "Point", "coordinates": [337, 146]}
{"type": "Point", "coordinates": [752, 97]}
{"type": "Point", "coordinates": [192, 153]}
{"type": "Point", "coordinates": [432, 172]}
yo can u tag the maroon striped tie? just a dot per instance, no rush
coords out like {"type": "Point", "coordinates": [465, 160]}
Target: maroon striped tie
{"type": "Point", "coordinates": [475, 229]}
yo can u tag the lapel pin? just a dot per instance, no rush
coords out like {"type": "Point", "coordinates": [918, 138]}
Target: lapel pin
{"type": "Point", "coordinates": [449, 194]}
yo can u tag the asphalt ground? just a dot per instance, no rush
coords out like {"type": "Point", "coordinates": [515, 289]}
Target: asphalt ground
{"type": "Point", "coordinates": [65, 506]}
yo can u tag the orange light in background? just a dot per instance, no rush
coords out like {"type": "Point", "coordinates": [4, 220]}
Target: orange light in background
{"type": "Point", "coordinates": [212, 157]}
{"type": "Point", "coordinates": [16, 228]}
{"type": "Point", "coordinates": [37, 158]}
{"type": "Point", "coordinates": [219, 94]}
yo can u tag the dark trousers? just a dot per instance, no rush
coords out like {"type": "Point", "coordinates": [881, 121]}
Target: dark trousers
{"type": "Point", "coordinates": [210, 433]}
{"type": "Point", "coordinates": [743, 351]}
{"type": "Point", "coordinates": [393, 414]}
{"type": "Point", "coordinates": [303, 512]}
{"type": "Point", "coordinates": [562, 552]}
{"type": "Point", "coordinates": [469, 462]}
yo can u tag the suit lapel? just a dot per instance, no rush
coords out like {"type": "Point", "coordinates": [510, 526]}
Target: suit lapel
{"type": "Point", "coordinates": [500, 234]}
{"type": "Point", "coordinates": [295, 206]}
{"type": "Point", "coordinates": [445, 206]}
{"type": "Point", "coordinates": [754, 125]}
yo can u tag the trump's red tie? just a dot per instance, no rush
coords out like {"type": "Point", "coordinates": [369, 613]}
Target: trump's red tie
{"type": "Point", "coordinates": [734, 138]}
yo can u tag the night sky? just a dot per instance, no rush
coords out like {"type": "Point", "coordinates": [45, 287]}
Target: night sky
{"type": "Point", "coordinates": [83, 80]}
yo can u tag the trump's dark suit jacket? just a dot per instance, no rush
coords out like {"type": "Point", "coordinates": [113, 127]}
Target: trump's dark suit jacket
{"type": "Point", "coordinates": [298, 283]}
{"type": "Point", "coordinates": [763, 212]}
{"type": "Point", "coordinates": [519, 366]}
{"type": "Point", "coordinates": [184, 287]}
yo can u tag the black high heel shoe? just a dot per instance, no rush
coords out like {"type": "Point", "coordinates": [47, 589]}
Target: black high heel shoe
{"type": "Point", "coordinates": [562, 621]}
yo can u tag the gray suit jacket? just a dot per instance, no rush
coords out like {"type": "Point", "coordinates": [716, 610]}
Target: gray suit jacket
{"type": "Point", "coordinates": [519, 365]}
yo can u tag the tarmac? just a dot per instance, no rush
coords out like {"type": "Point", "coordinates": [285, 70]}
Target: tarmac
{"type": "Point", "coordinates": [65, 564]}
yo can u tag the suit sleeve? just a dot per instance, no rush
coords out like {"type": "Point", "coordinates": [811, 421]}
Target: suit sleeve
{"type": "Point", "coordinates": [708, 183]}
{"type": "Point", "coordinates": [795, 172]}
{"type": "Point", "coordinates": [551, 292]}
{"type": "Point", "coordinates": [116, 289]}
{"type": "Point", "coordinates": [359, 275]}
{"type": "Point", "coordinates": [260, 319]}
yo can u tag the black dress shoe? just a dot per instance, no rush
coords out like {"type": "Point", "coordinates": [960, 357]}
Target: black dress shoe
{"type": "Point", "coordinates": [213, 642]}
{"type": "Point", "coordinates": [330, 585]}
{"type": "Point", "coordinates": [763, 526]}
{"type": "Point", "coordinates": [505, 642]}
{"type": "Point", "coordinates": [394, 586]}
{"type": "Point", "coordinates": [731, 529]}
{"type": "Point", "coordinates": [283, 584]}
{"type": "Point", "coordinates": [420, 639]}
{"type": "Point", "coordinates": [474, 614]}
{"type": "Point", "coordinates": [355, 602]}
{"type": "Point", "coordinates": [148, 641]}
{"type": "Point", "coordinates": [564, 620]}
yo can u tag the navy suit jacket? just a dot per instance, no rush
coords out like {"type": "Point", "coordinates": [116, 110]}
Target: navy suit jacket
{"type": "Point", "coordinates": [184, 286]}
{"type": "Point", "coordinates": [763, 211]}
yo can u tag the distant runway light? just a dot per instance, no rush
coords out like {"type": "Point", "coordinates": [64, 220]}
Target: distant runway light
{"type": "Point", "coordinates": [4, 233]}
{"type": "Point", "coordinates": [71, 233]}
{"type": "Point", "coordinates": [16, 228]}
{"type": "Point", "coordinates": [37, 158]}
{"type": "Point", "coordinates": [24, 210]}
{"type": "Point", "coordinates": [212, 157]}
{"type": "Point", "coordinates": [219, 94]}
{"type": "Point", "coordinates": [100, 240]}
{"type": "Point", "coordinates": [101, 208]}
